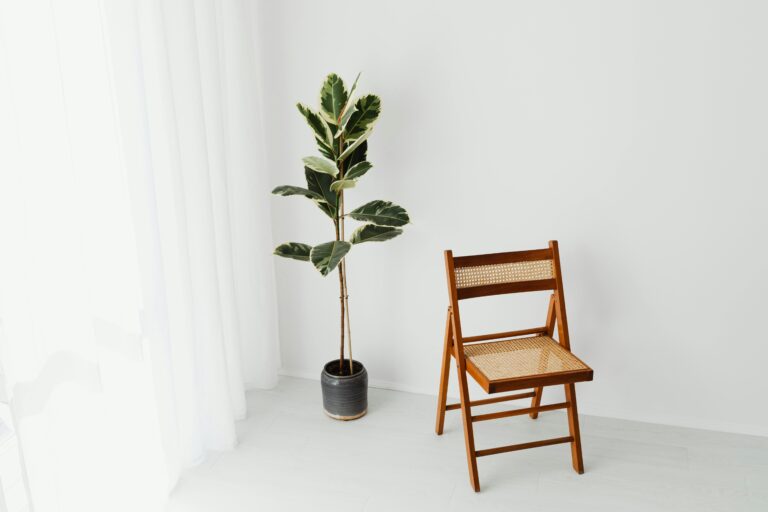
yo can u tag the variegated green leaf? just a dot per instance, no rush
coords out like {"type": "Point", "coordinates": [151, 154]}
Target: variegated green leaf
{"type": "Point", "coordinates": [333, 97]}
{"type": "Point", "coordinates": [290, 190]}
{"type": "Point", "coordinates": [327, 209]}
{"type": "Point", "coordinates": [319, 126]}
{"type": "Point", "coordinates": [358, 155]}
{"type": "Point", "coordinates": [349, 109]}
{"type": "Point", "coordinates": [325, 257]}
{"type": "Point", "coordinates": [352, 147]}
{"type": "Point", "coordinates": [338, 186]}
{"type": "Point", "coordinates": [294, 250]}
{"type": "Point", "coordinates": [320, 184]}
{"type": "Point", "coordinates": [320, 164]}
{"type": "Point", "coordinates": [344, 120]}
{"type": "Point", "coordinates": [326, 150]}
{"type": "Point", "coordinates": [381, 213]}
{"type": "Point", "coordinates": [354, 85]}
{"type": "Point", "coordinates": [357, 170]}
{"type": "Point", "coordinates": [367, 110]}
{"type": "Point", "coordinates": [373, 233]}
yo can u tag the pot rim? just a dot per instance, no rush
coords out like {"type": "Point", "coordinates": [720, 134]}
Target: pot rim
{"type": "Point", "coordinates": [341, 377]}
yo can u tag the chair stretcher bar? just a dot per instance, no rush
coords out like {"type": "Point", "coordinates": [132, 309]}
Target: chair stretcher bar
{"type": "Point", "coordinates": [508, 334]}
{"type": "Point", "coordinates": [520, 412]}
{"type": "Point", "coordinates": [523, 446]}
{"type": "Point", "coordinates": [494, 400]}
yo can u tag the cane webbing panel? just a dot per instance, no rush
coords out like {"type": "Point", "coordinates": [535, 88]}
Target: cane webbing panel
{"type": "Point", "coordinates": [467, 277]}
{"type": "Point", "coordinates": [522, 357]}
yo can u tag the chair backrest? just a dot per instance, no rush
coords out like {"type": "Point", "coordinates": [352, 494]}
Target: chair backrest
{"type": "Point", "coordinates": [506, 272]}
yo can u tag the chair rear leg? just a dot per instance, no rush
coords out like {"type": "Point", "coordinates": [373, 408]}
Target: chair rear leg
{"type": "Point", "coordinates": [442, 393]}
{"type": "Point", "coordinates": [536, 401]}
{"type": "Point", "coordinates": [573, 427]}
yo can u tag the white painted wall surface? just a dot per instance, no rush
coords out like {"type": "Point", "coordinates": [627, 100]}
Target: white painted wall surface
{"type": "Point", "coordinates": [633, 132]}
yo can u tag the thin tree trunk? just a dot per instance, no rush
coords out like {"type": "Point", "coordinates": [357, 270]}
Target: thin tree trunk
{"type": "Point", "coordinates": [341, 303]}
{"type": "Point", "coordinates": [349, 325]}
{"type": "Point", "coordinates": [343, 266]}
{"type": "Point", "coordinates": [340, 235]}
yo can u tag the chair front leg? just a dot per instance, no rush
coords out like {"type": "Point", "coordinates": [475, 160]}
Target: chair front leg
{"type": "Point", "coordinates": [469, 435]}
{"type": "Point", "coordinates": [573, 427]}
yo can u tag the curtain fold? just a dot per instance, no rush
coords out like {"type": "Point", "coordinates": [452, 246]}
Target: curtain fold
{"type": "Point", "coordinates": [138, 293]}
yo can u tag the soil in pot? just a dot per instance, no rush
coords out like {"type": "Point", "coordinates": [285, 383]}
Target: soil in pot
{"type": "Point", "coordinates": [333, 368]}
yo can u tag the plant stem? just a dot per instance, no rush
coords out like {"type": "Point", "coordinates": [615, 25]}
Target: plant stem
{"type": "Point", "coordinates": [342, 264]}
{"type": "Point", "coordinates": [349, 325]}
{"type": "Point", "coordinates": [341, 301]}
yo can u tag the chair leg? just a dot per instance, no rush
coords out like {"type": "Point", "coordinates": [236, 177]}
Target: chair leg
{"type": "Point", "coordinates": [536, 401]}
{"type": "Point", "coordinates": [573, 427]}
{"type": "Point", "coordinates": [442, 394]}
{"type": "Point", "coordinates": [469, 435]}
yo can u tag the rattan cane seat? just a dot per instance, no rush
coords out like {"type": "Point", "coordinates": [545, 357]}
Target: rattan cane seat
{"type": "Point", "coordinates": [521, 358]}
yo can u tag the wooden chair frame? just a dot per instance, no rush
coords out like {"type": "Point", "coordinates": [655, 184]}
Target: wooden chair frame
{"type": "Point", "coordinates": [454, 347]}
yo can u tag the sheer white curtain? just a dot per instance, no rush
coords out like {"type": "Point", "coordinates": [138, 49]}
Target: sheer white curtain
{"type": "Point", "coordinates": [136, 283]}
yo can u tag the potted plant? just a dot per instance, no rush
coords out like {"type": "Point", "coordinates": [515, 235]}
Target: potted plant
{"type": "Point", "coordinates": [341, 129]}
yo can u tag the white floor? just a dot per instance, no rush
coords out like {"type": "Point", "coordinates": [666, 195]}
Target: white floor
{"type": "Point", "coordinates": [292, 457]}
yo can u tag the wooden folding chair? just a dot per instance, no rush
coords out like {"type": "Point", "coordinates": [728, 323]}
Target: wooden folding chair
{"type": "Point", "coordinates": [515, 360]}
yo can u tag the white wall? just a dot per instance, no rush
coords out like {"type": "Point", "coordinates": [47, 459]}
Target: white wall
{"type": "Point", "coordinates": [633, 132]}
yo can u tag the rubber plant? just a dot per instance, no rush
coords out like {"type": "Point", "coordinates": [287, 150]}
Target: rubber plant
{"type": "Point", "coordinates": [341, 128]}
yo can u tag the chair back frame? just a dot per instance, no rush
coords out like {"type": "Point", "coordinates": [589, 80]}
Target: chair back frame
{"type": "Point", "coordinates": [556, 311]}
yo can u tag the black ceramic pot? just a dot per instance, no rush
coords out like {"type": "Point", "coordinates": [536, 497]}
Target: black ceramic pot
{"type": "Point", "coordinates": [345, 397]}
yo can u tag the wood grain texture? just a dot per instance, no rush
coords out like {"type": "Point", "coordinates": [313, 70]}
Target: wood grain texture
{"type": "Point", "coordinates": [504, 288]}
{"type": "Point", "coordinates": [502, 257]}
{"type": "Point", "coordinates": [519, 412]}
{"type": "Point", "coordinates": [523, 446]}
{"type": "Point", "coordinates": [466, 412]}
{"type": "Point", "coordinates": [493, 400]}
{"type": "Point", "coordinates": [507, 334]}
{"type": "Point", "coordinates": [445, 370]}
